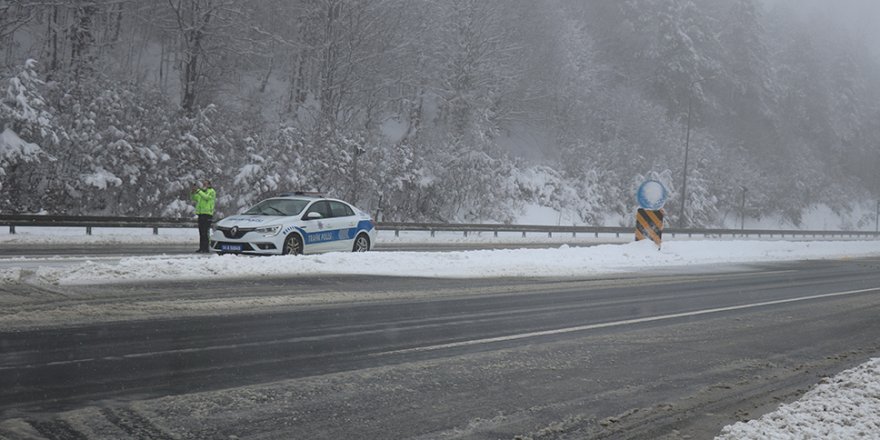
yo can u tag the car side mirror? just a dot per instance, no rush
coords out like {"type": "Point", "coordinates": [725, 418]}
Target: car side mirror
{"type": "Point", "coordinates": [314, 216]}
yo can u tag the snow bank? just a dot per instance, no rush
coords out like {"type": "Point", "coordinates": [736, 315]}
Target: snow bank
{"type": "Point", "coordinates": [564, 261]}
{"type": "Point", "coordinates": [844, 407]}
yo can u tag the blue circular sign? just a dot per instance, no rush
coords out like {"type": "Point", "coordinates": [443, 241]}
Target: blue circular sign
{"type": "Point", "coordinates": [652, 195]}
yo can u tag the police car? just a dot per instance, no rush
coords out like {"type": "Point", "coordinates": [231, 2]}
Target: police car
{"type": "Point", "coordinates": [296, 223]}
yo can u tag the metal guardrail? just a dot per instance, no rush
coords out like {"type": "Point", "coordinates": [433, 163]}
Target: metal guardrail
{"type": "Point", "coordinates": [90, 222]}
{"type": "Point", "coordinates": [596, 230]}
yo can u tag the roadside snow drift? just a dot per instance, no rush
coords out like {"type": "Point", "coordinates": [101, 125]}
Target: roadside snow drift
{"type": "Point", "coordinates": [564, 261]}
{"type": "Point", "coordinates": [844, 407]}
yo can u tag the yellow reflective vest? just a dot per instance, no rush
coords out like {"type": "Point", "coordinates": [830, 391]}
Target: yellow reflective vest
{"type": "Point", "coordinates": [204, 198]}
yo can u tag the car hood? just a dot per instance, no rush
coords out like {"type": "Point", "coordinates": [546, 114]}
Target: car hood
{"type": "Point", "coordinates": [250, 221]}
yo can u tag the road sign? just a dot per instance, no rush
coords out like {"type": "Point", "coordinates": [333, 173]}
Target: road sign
{"type": "Point", "coordinates": [649, 224]}
{"type": "Point", "coordinates": [652, 195]}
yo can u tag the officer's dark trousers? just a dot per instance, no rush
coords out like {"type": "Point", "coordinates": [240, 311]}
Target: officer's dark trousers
{"type": "Point", "coordinates": [204, 230]}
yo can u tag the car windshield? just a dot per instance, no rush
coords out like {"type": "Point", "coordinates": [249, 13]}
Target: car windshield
{"type": "Point", "coordinates": [279, 207]}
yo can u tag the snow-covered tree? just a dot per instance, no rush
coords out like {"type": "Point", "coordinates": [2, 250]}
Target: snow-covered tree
{"type": "Point", "coordinates": [746, 65]}
{"type": "Point", "coordinates": [402, 182]}
{"type": "Point", "coordinates": [475, 59]}
{"type": "Point", "coordinates": [435, 110]}
{"type": "Point", "coordinates": [111, 150]}
{"type": "Point", "coordinates": [26, 123]}
{"type": "Point", "coordinates": [194, 144]}
{"type": "Point", "coordinates": [682, 51]}
{"type": "Point", "coordinates": [24, 110]}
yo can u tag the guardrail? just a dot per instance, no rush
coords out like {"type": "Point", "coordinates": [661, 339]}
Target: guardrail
{"type": "Point", "coordinates": [90, 222]}
{"type": "Point", "coordinates": [596, 230]}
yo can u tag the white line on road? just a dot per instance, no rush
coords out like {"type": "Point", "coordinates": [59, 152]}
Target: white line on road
{"type": "Point", "coordinates": [454, 344]}
{"type": "Point", "coordinates": [620, 323]}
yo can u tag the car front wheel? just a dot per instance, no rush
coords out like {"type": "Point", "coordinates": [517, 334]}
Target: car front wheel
{"type": "Point", "coordinates": [292, 245]}
{"type": "Point", "coordinates": [361, 243]}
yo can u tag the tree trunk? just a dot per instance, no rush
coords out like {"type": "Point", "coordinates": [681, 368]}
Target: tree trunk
{"type": "Point", "coordinates": [53, 32]}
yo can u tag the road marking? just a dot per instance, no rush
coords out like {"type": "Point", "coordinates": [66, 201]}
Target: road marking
{"type": "Point", "coordinates": [453, 344]}
{"type": "Point", "coordinates": [621, 323]}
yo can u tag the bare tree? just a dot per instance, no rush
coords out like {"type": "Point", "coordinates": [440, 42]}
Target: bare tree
{"type": "Point", "coordinates": [476, 68]}
{"type": "Point", "coordinates": [16, 13]}
{"type": "Point", "coordinates": [216, 37]}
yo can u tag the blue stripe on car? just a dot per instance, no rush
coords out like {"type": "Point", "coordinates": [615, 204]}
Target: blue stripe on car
{"type": "Point", "coordinates": [335, 234]}
{"type": "Point", "coordinates": [365, 224]}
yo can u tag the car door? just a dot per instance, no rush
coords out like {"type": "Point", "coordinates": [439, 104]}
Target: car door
{"type": "Point", "coordinates": [344, 224]}
{"type": "Point", "coordinates": [319, 233]}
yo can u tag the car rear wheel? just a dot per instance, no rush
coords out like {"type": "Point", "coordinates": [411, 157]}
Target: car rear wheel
{"type": "Point", "coordinates": [361, 243]}
{"type": "Point", "coordinates": [292, 245]}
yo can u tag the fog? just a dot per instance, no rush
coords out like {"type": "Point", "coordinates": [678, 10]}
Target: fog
{"type": "Point", "coordinates": [857, 17]}
{"type": "Point", "coordinates": [463, 110]}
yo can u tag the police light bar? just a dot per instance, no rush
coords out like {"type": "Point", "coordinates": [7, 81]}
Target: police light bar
{"type": "Point", "coordinates": [302, 193]}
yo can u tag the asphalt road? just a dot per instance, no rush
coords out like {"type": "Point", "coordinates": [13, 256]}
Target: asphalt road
{"type": "Point", "coordinates": [654, 356]}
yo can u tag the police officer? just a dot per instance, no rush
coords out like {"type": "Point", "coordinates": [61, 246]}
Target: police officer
{"type": "Point", "coordinates": [204, 197]}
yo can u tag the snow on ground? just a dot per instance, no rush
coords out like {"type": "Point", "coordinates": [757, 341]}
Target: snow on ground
{"type": "Point", "coordinates": [568, 260]}
{"type": "Point", "coordinates": [844, 407]}
{"type": "Point", "coordinates": [564, 261]}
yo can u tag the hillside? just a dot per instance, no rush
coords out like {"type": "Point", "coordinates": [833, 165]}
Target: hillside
{"type": "Point", "coordinates": [461, 110]}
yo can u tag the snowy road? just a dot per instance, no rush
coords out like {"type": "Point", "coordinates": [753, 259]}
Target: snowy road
{"type": "Point", "coordinates": [620, 356]}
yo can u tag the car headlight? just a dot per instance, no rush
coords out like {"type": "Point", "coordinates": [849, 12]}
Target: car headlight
{"type": "Point", "coordinates": [268, 231]}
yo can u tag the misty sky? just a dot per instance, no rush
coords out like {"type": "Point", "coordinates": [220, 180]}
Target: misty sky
{"type": "Point", "coordinates": [859, 16]}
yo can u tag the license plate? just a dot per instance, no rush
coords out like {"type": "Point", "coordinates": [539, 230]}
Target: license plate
{"type": "Point", "coordinates": [230, 247]}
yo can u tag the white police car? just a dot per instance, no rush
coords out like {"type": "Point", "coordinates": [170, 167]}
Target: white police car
{"type": "Point", "coordinates": [295, 224]}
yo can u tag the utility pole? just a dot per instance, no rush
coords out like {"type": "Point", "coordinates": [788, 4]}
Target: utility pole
{"type": "Point", "coordinates": [877, 224]}
{"type": "Point", "coordinates": [742, 210]}
{"type": "Point", "coordinates": [687, 143]}
{"type": "Point", "coordinates": [358, 150]}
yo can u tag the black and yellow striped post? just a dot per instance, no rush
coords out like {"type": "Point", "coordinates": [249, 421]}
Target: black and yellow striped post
{"type": "Point", "coordinates": [649, 224]}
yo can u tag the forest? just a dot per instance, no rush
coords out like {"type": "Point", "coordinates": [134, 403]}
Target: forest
{"type": "Point", "coordinates": [447, 111]}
